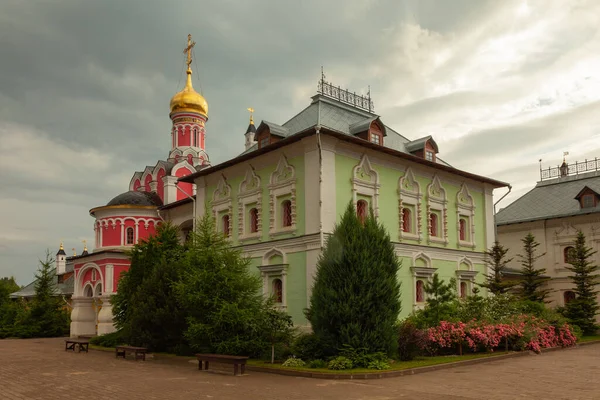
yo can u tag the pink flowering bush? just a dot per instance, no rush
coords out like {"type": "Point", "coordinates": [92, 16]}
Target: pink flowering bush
{"type": "Point", "coordinates": [521, 332]}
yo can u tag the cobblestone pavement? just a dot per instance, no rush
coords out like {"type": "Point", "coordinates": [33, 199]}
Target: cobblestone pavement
{"type": "Point", "coordinates": [41, 369]}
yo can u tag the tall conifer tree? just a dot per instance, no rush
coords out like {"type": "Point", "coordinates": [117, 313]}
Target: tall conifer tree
{"type": "Point", "coordinates": [533, 281]}
{"type": "Point", "coordinates": [356, 294]}
{"type": "Point", "coordinates": [496, 260]}
{"type": "Point", "coordinates": [582, 310]}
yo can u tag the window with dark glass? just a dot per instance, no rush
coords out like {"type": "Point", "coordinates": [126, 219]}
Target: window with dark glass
{"type": "Point", "coordinates": [129, 235]}
{"type": "Point", "coordinates": [587, 201]}
{"type": "Point", "coordinates": [286, 213]}
{"type": "Point", "coordinates": [361, 210]}
{"type": "Point", "coordinates": [568, 254]}
{"type": "Point", "coordinates": [568, 296]}
{"type": "Point", "coordinates": [420, 294]}
{"type": "Point", "coordinates": [253, 220]}
{"type": "Point", "coordinates": [225, 220]}
{"type": "Point", "coordinates": [463, 290]}
{"type": "Point", "coordinates": [406, 223]}
{"type": "Point", "coordinates": [264, 141]}
{"type": "Point", "coordinates": [278, 290]}
{"type": "Point", "coordinates": [433, 224]}
{"type": "Point", "coordinates": [463, 229]}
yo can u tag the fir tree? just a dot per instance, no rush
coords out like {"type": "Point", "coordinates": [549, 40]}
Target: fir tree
{"type": "Point", "coordinates": [48, 315]}
{"type": "Point", "coordinates": [533, 281]}
{"type": "Point", "coordinates": [440, 297]}
{"type": "Point", "coordinates": [145, 309]}
{"type": "Point", "coordinates": [355, 298]}
{"type": "Point", "coordinates": [496, 260]}
{"type": "Point", "coordinates": [582, 310]}
{"type": "Point", "coordinates": [222, 299]}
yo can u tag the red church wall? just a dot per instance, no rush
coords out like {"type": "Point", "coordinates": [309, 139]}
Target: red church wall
{"type": "Point", "coordinates": [187, 187]}
{"type": "Point", "coordinates": [185, 137]}
{"type": "Point", "coordinates": [111, 235]}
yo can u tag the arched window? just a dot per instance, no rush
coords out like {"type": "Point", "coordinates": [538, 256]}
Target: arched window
{"type": "Point", "coordinates": [225, 222]}
{"type": "Point", "coordinates": [568, 296]}
{"type": "Point", "coordinates": [88, 291]}
{"type": "Point", "coordinates": [286, 213]}
{"type": "Point", "coordinates": [94, 275]}
{"type": "Point", "coordinates": [195, 137]}
{"type": "Point", "coordinates": [361, 210]}
{"type": "Point", "coordinates": [278, 291]}
{"type": "Point", "coordinates": [253, 220]}
{"type": "Point", "coordinates": [406, 222]}
{"type": "Point", "coordinates": [98, 291]}
{"type": "Point", "coordinates": [129, 234]}
{"type": "Point", "coordinates": [433, 224]}
{"type": "Point", "coordinates": [420, 292]}
{"type": "Point", "coordinates": [568, 254]}
{"type": "Point", "coordinates": [462, 226]}
{"type": "Point", "coordinates": [463, 290]}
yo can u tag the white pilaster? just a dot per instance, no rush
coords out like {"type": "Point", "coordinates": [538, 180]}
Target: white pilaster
{"type": "Point", "coordinates": [170, 191]}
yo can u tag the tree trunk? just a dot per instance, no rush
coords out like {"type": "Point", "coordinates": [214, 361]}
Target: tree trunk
{"type": "Point", "coordinates": [272, 354]}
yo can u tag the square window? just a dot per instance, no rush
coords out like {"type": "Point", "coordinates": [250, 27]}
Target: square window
{"type": "Point", "coordinates": [429, 155]}
{"type": "Point", "coordinates": [264, 141]}
{"type": "Point", "coordinates": [588, 201]}
{"type": "Point", "coordinates": [375, 138]}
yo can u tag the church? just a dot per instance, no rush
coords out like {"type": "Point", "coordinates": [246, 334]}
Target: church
{"type": "Point", "coordinates": [280, 199]}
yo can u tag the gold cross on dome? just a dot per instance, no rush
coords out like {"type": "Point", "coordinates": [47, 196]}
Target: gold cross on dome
{"type": "Point", "coordinates": [251, 116]}
{"type": "Point", "coordinates": [188, 50]}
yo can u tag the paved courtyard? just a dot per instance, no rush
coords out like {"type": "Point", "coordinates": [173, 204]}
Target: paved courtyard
{"type": "Point", "coordinates": [41, 369]}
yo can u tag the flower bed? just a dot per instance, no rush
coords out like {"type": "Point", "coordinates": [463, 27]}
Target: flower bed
{"type": "Point", "coordinates": [523, 332]}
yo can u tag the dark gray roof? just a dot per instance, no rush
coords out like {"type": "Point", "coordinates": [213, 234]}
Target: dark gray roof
{"type": "Point", "coordinates": [550, 199]}
{"type": "Point", "coordinates": [251, 128]}
{"type": "Point", "coordinates": [60, 289]}
{"type": "Point", "coordinates": [136, 198]}
{"type": "Point", "coordinates": [275, 129]}
{"type": "Point", "coordinates": [364, 125]}
{"type": "Point", "coordinates": [420, 143]}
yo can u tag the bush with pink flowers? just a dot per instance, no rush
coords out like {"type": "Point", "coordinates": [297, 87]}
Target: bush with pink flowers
{"type": "Point", "coordinates": [521, 332]}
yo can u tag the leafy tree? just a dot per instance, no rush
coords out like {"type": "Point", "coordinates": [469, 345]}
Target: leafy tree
{"type": "Point", "coordinates": [221, 299]}
{"type": "Point", "coordinates": [145, 308]}
{"type": "Point", "coordinates": [496, 260]}
{"type": "Point", "coordinates": [48, 315]}
{"type": "Point", "coordinates": [278, 327]}
{"type": "Point", "coordinates": [533, 281]}
{"type": "Point", "coordinates": [582, 310]}
{"type": "Point", "coordinates": [7, 286]}
{"type": "Point", "coordinates": [8, 309]}
{"type": "Point", "coordinates": [355, 300]}
{"type": "Point", "coordinates": [440, 298]}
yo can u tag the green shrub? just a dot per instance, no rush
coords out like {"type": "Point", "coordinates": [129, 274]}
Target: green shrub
{"type": "Point", "coordinates": [360, 358]}
{"type": "Point", "coordinates": [109, 340]}
{"type": "Point", "coordinates": [410, 340]}
{"type": "Point", "coordinates": [293, 362]}
{"type": "Point", "coordinates": [317, 364]}
{"type": "Point", "coordinates": [311, 347]}
{"type": "Point", "coordinates": [380, 365]}
{"type": "Point", "coordinates": [340, 363]}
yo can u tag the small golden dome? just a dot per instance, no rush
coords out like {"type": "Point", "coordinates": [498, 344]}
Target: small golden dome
{"type": "Point", "coordinates": [188, 100]}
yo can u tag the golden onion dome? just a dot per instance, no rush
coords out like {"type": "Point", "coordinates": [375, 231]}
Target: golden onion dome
{"type": "Point", "coordinates": [188, 100]}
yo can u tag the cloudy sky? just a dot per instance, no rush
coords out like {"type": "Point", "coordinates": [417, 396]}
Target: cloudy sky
{"type": "Point", "coordinates": [85, 88]}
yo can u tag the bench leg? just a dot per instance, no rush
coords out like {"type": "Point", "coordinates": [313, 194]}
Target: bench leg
{"type": "Point", "coordinates": [205, 365]}
{"type": "Point", "coordinates": [235, 369]}
{"type": "Point", "coordinates": [243, 368]}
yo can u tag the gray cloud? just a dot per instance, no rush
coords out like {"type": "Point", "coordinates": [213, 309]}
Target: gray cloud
{"type": "Point", "coordinates": [85, 88]}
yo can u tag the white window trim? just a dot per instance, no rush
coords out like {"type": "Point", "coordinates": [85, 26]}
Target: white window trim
{"type": "Point", "coordinates": [282, 183]}
{"type": "Point", "coordinates": [463, 275]}
{"type": "Point", "coordinates": [270, 272]}
{"type": "Point", "coordinates": [437, 201]}
{"type": "Point", "coordinates": [365, 182]}
{"type": "Point", "coordinates": [465, 207]}
{"type": "Point", "coordinates": [421, 273]}
{"type": "Point", "coordinates": [250, 191]}
{"type": "Point", "coordinates": [409, 192]}
{"type": "Point", "coordinates": [221, 201]}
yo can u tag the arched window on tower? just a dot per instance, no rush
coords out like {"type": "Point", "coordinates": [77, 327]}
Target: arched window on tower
{"type": "Point", "coordinates": [406, 222]}
{"type": "Point", "coordinates": [278, 290]}
{"type": "Point", "coordinates": [420, 293]}
{"type": "Point", "coordinates": [130, 237]}
{"type": "Point", "coordinates": [286, 213]}
{"type": "Point", "coordinates": [195, 137]}
{"type": "Point", "coordinates": [361, 210]}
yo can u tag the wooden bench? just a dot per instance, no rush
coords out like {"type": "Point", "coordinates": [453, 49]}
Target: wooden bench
{"type": "Point", "coordinates": [81, 344]}
{"type": "Point", "coordinates": [140, 352]}
{"type": "Point", "coordinates": [220, 358]}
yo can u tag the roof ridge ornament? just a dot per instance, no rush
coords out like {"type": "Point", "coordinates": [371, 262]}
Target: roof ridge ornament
{"type": "Point", "coordinates": [327, 89]}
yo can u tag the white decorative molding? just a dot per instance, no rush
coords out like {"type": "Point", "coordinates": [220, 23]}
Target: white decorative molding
{"type": "Point", "coordinates": [421, 273]}
{"type": "Point", "coordinates": [250, 191]}
{"type": "Point", "coordinates": [437, 201]}
{"type": "Point", "coordinates": [365, 181]}
{"type": "Point", "coordinates": [465, 208]}
{"type": "Point", "coordinates": [282, 183]}
{"type": "Point", "coordinates": [409, 194]}
{"type": "Point", "coordinates": [270, 272]}
{"type": "Point", "coordinates": [221, 201]}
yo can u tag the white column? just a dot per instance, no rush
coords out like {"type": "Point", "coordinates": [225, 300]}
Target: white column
{"type": "Point", "coordinates": [170, 191]}
{"type": "Point", "coordinates": [83, 316]}
{"type": "Point", "coordinates": [108, 279]}
{"type": "Point", "coordinates": [105, 316]}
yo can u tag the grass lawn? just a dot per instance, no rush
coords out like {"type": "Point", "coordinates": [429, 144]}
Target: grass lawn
{"type": "Point", "coordinates": [397, 366]}
{"type": "Point", "coordinates": [589, 338]}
